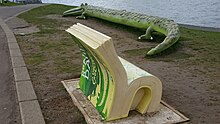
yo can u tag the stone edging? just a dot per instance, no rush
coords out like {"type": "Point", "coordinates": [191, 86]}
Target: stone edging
{"type": "Point", "coordinates": [29, 106]}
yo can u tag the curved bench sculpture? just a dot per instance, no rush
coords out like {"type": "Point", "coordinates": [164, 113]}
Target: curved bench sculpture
{"type": "Point", "coordinates": [151, 23]}
{"type": "Point", "coordinates": [112, 84]}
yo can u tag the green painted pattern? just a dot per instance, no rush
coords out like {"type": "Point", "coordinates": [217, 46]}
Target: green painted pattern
{"type": "Point", "coordinates": [94, 74]}
{"type": "Point", "coordinates": [142, 21]}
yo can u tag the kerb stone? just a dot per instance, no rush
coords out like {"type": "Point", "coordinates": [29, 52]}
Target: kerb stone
{"type": "Point", "coordinates": [13, 45]}
{"type": "Point", "coordinates": [15, 52]}
{"type": "Point", "coordinates": [21, 74]}
{"type": "Point", "coordinates": [31, 112]}
{"type": "Point", "coordinates": [25, 91]}
{"type": "Point", "coordinates": [17, 62]}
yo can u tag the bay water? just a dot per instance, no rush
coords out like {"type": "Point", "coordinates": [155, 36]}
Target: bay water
{"type": "Point", "coordinates": [204, 13]}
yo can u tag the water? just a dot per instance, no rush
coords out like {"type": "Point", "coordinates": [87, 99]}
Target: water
{"type": "Point", "coordinates": [205, 13]}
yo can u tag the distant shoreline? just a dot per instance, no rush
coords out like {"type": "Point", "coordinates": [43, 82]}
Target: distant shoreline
{"type": "Point", "coordinates": [200, 28]}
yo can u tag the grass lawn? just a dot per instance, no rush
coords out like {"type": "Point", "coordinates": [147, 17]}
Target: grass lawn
{"type": "Point", "coordinates": [59, 47]}
{"type": "Point", "coordinates": [52, 56]}
{"type": "Point", "coordinates": [10, 4]}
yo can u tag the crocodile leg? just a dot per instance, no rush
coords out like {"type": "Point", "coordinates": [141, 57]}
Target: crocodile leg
{"type": "Point", "coordinates": [147, 35]}
{"type": "Point", "coordinates": [81, 16]}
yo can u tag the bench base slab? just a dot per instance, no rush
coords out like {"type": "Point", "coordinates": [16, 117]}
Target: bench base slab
{"type": "Point", "coordinates": [166, 114]}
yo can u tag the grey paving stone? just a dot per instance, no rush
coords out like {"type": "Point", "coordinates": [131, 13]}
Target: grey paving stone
{"type": "Point", "coordinates": [13, 45]}
{"type": "Point", "coordinates": [25, 91]}
{"type": "Point", "coordinates": [11, 38]}
{"type": "Point", "coordinates": [17, 62]}
{"type": "Point", "coordinates": [21, 74]}
{"type": "Point", "coordinates": [31, 112]}
{"type": "Point", "coordinates": [15, 52]}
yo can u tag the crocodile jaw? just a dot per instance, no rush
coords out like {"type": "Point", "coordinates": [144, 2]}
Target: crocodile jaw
{"type": "Point", "coordinates": [74, 12]}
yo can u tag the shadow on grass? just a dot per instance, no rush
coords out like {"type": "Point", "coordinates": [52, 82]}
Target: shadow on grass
{"type": "Point", "coordinates": [172, 53]}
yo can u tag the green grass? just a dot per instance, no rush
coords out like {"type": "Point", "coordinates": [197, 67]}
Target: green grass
{"type": "Point", "coordinates": [59, 51]}
{"type": "Point", "coordinates": [46, 26]}
{"type": "Point", "coordinates": [205, 43]}
{"type": "Point", "coordinates": [52, 56]}
{"type": "Point", "coordinates": [53, 48]}
{"type": "Point", "coordinates": [34, 15]}
{"type": "Point", "coordinates": [168, 55]}
{"type": "Point", "coordinates": [36, 59]}
{"type": "Point", "coordinates": [10, 4]}
{"type": "Point", "coordinates": [203, 46]}
{"type": "Point", "coordinates": [194, 48]}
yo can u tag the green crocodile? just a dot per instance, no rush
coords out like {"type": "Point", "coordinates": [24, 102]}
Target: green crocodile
{"type": "Point", "coordinates": [142, 21]}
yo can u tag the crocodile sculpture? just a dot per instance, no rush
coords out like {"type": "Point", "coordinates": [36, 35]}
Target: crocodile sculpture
{"type": "Point", "coordinates": [142, 21]}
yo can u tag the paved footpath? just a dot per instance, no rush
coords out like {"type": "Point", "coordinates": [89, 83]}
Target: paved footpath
{"type": "Point", "coordinates": [8, 100]}
{"type": "Point", "coordinates": [8, 12]}
{"type": "Point", "coordinates": [13, 103]}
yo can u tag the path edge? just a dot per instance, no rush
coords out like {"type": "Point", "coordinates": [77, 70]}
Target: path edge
{"type": "Point", "coordinates": [29, 107]}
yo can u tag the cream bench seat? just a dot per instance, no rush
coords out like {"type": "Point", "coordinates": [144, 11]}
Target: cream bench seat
{"type": "Point", "coordinates": [112, 84]}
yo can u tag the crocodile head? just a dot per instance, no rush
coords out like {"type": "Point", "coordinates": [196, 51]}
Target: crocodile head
{"type": "Point", "coordinates": [75, 11]}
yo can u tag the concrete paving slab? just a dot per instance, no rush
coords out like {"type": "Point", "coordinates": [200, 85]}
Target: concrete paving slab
{"type": "Point", "coordinates": [21, 74]}
{"type": "Point", "coordinates": [20, 23]}
{"type": "Point", "coordinates": [11, 38]}
{"type": "Point", "coordinates": [13, 45]}
{"type": "Point", "coordinates": [31, 112]}
{"type": "Point", "coordinates": [17, 62]}
{"type": "Point", "coordinates": [26, 30]}
{"type": "Point", "coordinates": [165, 115]}
{"type": "Point", "coordinates": [9, 109]}
{"type": "Point", "coordinates": [9, 34]}
{"type": "Point", "coordinates": [25, 91]}
{"type": "Point", "coordinates": [15, 53]}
